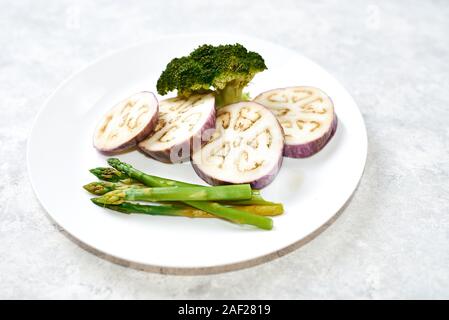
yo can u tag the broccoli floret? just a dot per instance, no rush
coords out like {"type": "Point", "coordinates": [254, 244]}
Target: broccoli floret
{"type": "Point", "coordinates": [227, 69]}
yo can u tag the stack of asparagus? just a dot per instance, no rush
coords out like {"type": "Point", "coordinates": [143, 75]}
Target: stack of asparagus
{"type": "Point", "coordinates": [121, 183]}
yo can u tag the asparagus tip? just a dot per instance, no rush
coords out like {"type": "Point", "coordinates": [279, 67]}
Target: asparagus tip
{"type": "Point", "coordinates": [113, 161]}
{"type": "Point", "coordinates": [94, 188]}
{"type": "Point", "coordinates": [95, 201]}
{"type": "Point", "coordinates": [112, 197]}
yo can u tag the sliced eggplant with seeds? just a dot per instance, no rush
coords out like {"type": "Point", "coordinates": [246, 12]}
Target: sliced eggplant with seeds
{"type": "Point", "coordinates": [127, 123]}
{"type": "Point", "coordinates": [180, 127]}
{"type": "Point", "coordinates": [245, 148]}
{"type": "Point", "coordinates": [307, 116]}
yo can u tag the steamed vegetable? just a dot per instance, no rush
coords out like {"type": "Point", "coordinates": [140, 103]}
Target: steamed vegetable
{"type": "Point", "coordinates": [179, 129]}
{"type": "Point", "coordinates": [103, 187]}
{"type": "Point", "coordinates": [306, 115]}
{"type": "Point", "coordinates": [235, 192]}
{"type": "Point", "coordinates": [112, 175]}
{"type": "Point", "coordinates": [256, 204]}
{"type": "Point", "coordinates": [225, 68]}
{"type": "Point", "coordinates": [218, 210]}
{"type": "Point", "coordinates": [109, 174]}
{"type": "Point", "coordinates": [154, 210]}
{"type": "Point", "coordinates": [127, 123]}
{"type": "Point", "coordinates": [245, 148]}
{"type": "Point", "coordinates": [179, 209]}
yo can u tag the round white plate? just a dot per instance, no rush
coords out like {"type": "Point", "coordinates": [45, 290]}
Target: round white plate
{"type": "Point", "coordinates": [60, 153]}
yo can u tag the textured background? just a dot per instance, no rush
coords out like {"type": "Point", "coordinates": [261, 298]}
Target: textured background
{"type": "Point", "coordinates": [392, 56]}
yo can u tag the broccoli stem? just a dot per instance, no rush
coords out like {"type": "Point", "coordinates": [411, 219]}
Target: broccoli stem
{"type": "Point", "coordinates": [231, 93]}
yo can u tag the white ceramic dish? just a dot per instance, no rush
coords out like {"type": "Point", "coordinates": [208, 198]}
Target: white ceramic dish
{"type": "Point", "coordinates": [60, 152]}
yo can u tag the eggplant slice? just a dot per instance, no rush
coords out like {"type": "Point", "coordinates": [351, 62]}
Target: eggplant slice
{"type": "Point", "coordinates": [245, 148]}
{"type": "Point", "coordinates": [127, 123]}
{"type": "Point", "coordinates": [307, 116]}
{"type": "Point", "coordinates": [179, 130]}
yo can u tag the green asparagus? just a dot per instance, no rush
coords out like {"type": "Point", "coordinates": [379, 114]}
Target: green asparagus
{"type": "Point", "coordinates": [256, 199]}
{"type": "Point", "coordinates": [218, 210]}
{"type": "Point", "coordinates": [113, 175]}
{"type": "Point", "coordinates": [264, 208]}
{"type": "Point", "coordinates": [102, 187]}
{"type": "Point", "coordinates": [160, 210]}
{"type": "Point", "coordinates": [182, 210]}
{"type": "Point", "coordinates": [231, 192]}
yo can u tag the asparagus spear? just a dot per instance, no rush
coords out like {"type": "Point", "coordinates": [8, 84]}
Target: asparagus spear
{"type": "Point", "coordinates": [182, 210]}
{"type": "Point", "coordinates": [263, 209]}
{"type": "Point", "coordinates": [102, 187]}
{"type": "Point", "coordinates": [113, 175]}
{"type": "Point", "coordinates": [218, 210]}
{"type": "Point", "coordinates": [159, 210]}
{"type": "Point", "coordinates": [256, 199]}
{"type": "Point", "coordinates": [234, 192]}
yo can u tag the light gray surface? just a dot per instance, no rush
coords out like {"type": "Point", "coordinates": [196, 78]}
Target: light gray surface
{"type": "Point", "coordinates": [392, 56]}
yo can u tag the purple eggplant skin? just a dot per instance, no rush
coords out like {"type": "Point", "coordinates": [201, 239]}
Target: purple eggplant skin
{"type": "Point", "coordinates": [133, 142]}
{"type": "Point", "coordinates": [258, 184]}
{"type": "Point", "coordinates": [142, 135]}
{"type": "Point", "coordinates": [165, 155]}
{"type": "Point", "coordinates": [269, 177]}
{"type": "Point", "coordinates": [310, 148]}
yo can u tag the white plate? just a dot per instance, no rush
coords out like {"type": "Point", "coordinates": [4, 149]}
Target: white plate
{"type": "Point", "coordinates": [60, 153]}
